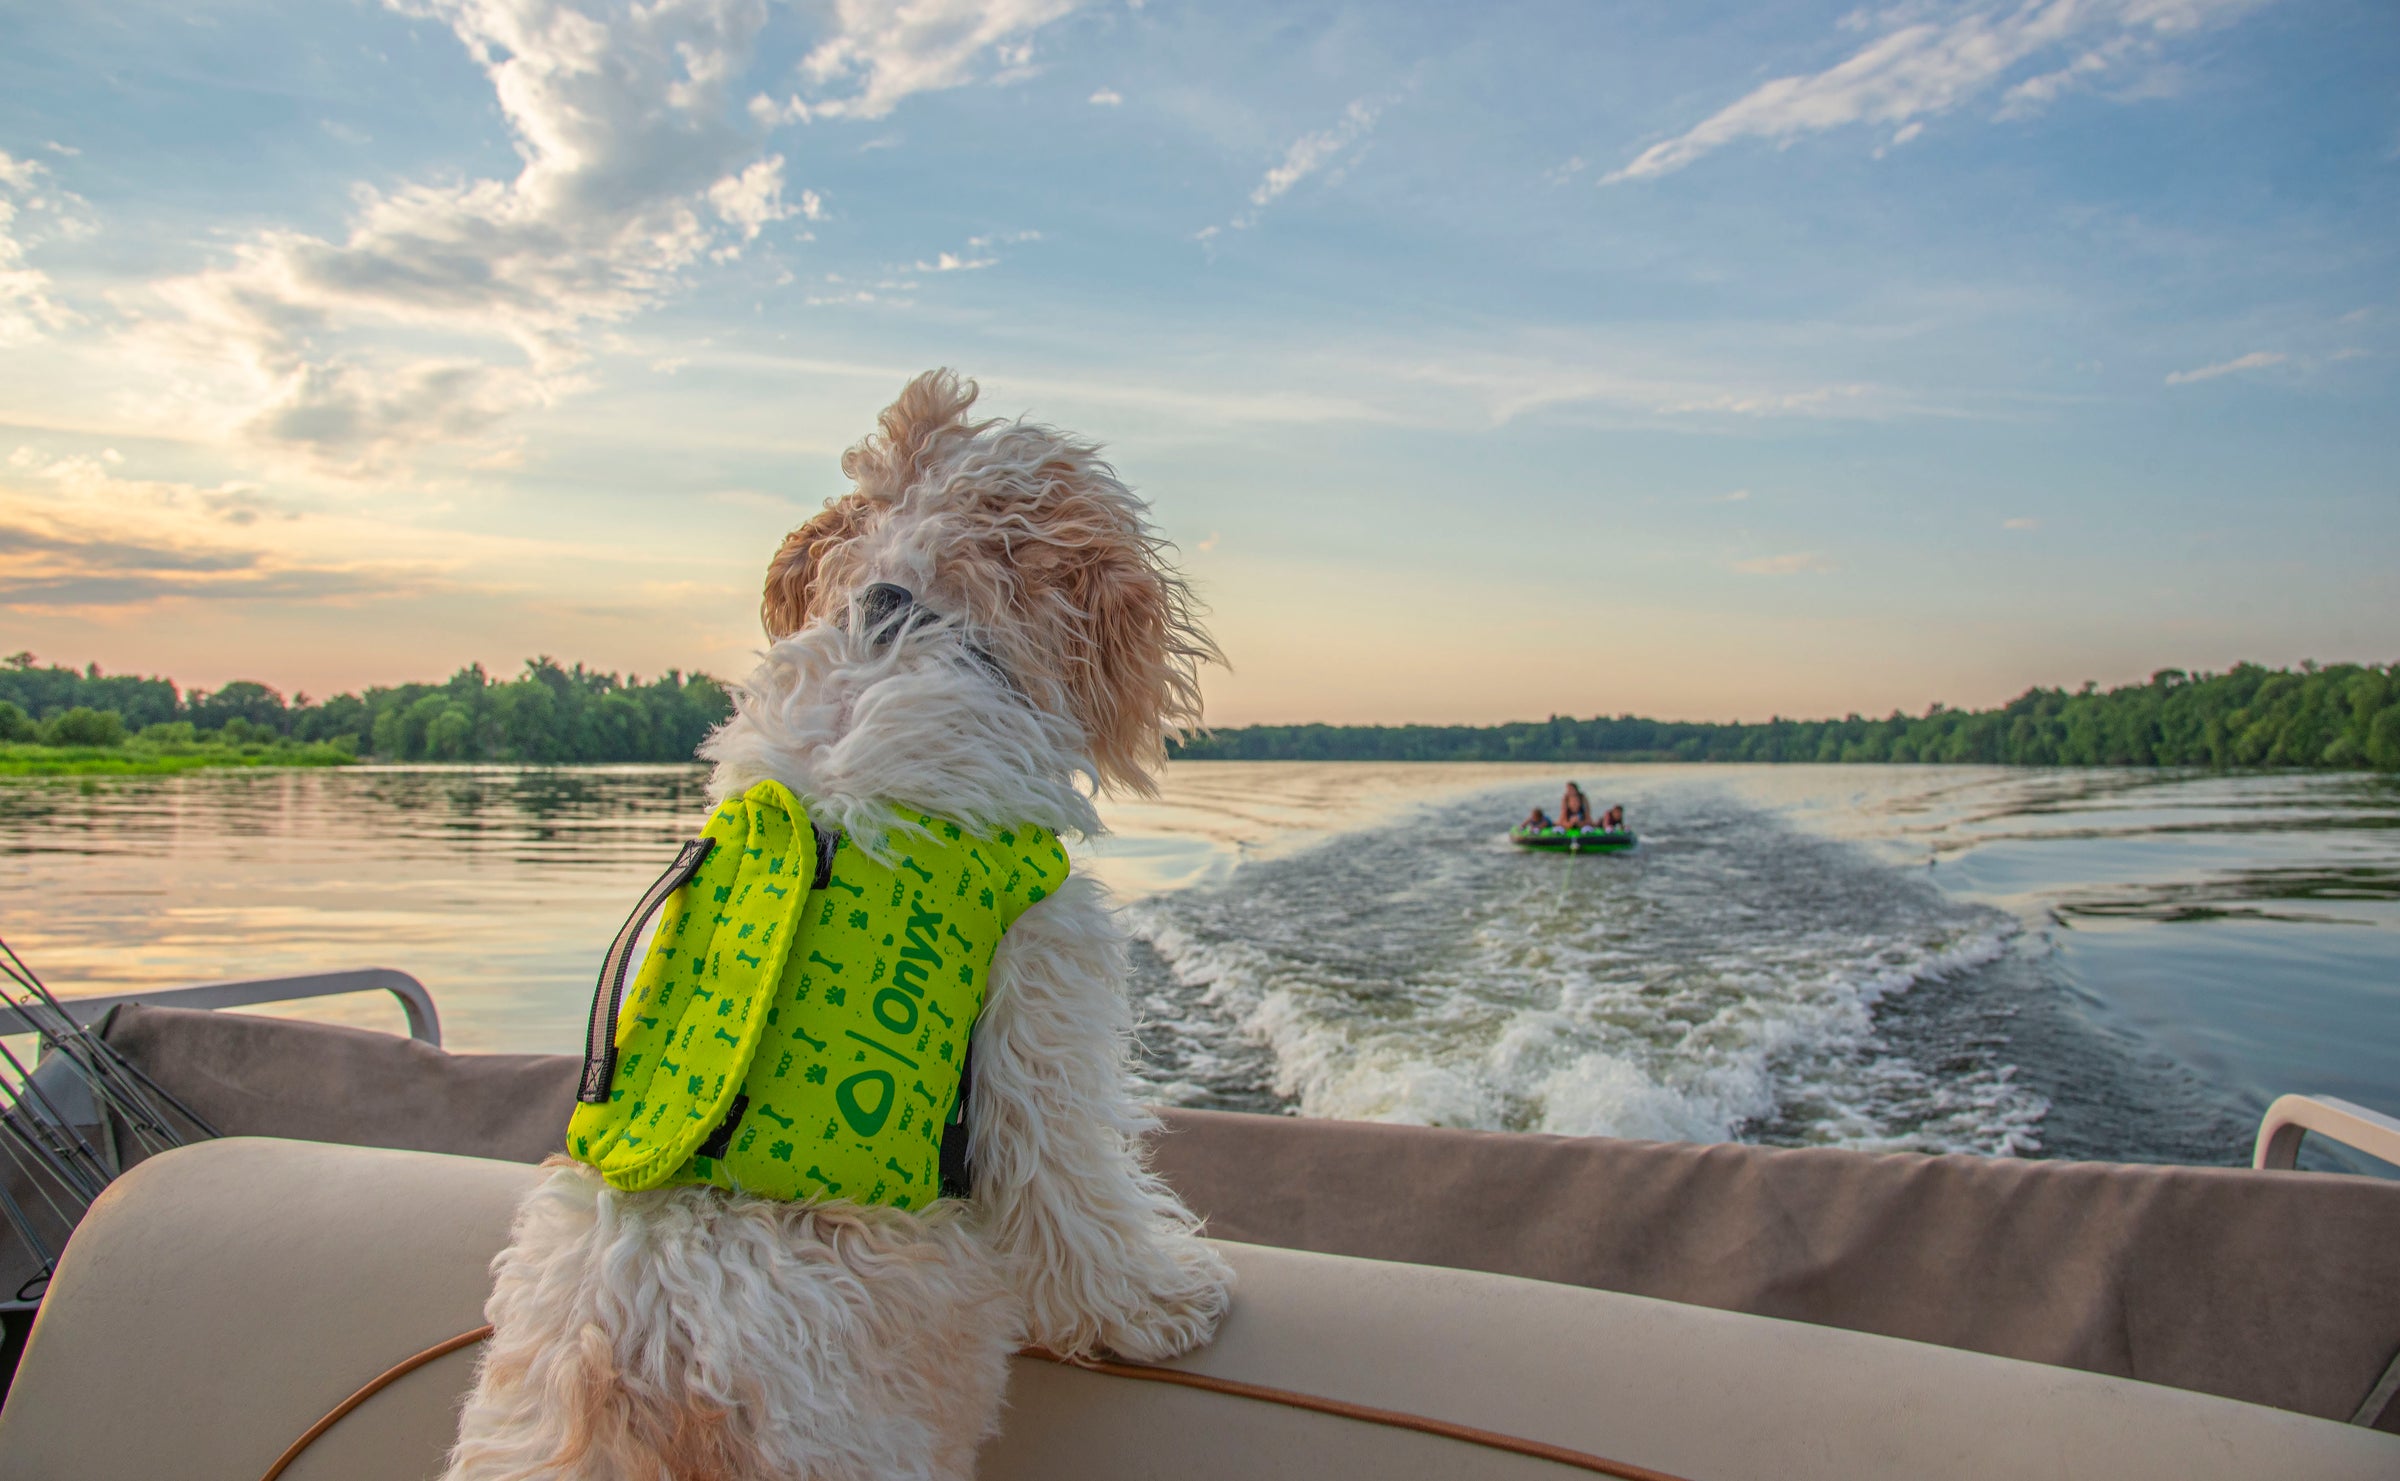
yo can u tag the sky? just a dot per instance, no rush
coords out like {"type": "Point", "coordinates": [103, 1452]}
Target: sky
{"type": "Point", "coordinates": [1696, 360]}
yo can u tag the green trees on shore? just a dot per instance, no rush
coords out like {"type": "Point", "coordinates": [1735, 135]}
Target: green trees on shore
{"type": "Point", "coordinates": [2342, 716]}
{"type": "Point", "coordinates": [547, 713]}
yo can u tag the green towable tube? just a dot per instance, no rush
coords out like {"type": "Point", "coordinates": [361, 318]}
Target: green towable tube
{"type": "Point", "coordinates": [1574, 840]}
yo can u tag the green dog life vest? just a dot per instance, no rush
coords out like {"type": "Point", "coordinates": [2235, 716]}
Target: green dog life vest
{"type": "Point", "coordinates": [799, 1026]}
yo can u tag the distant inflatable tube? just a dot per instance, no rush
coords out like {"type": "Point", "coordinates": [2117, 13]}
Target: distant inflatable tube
{"type": "Point", "coordinates": [1573, 840]}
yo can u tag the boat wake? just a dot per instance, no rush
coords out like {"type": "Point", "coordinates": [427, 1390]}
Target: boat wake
{"type": "Point", "coordinates": [1731, 979]}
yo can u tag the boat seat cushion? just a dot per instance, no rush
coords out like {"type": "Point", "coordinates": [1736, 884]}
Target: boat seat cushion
{"type": "Point", "coordinates": [222, 1297]}
{"type": "Point", "coordinates": [2277, 1288]}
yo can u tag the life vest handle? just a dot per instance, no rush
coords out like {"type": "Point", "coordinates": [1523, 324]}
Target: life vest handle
{"type": "Point", "coordinates": [600, 1039]}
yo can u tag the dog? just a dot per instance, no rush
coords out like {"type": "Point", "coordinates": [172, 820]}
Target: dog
{"type": "Point", "coordinates": [984, 633]}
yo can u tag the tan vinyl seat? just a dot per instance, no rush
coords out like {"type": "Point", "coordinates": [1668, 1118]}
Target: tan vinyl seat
{"type": "Point", "coordinates": [219, 1299]}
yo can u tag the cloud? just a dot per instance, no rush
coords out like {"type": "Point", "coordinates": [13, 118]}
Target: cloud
{"type": "Point", "coordinates": [28, 309]}
{"type": "Point", "coordinates": [1209, 544]}
{"type": "Point", "coordinates": [91, 481]}
{"type": "Point", "coordinates": [1800, 563]}
{"type": "Point", "coordinates": [753, 200]}
{"type": "Point", "coordinates": [888, 295]}
{"type": "Point", "coordinates": [1922, 69]}
{"type": "Point", "coordinates": [890, 49]}
{"type": "Point", "coordinates": [139, 589]}
{"type": "Point", "coordinates": [18, 541]}
{"type": "Point", "coordinates": [2255, 360]}
{"type": "Point", "coordinates": [79, 530]}
{"type": "Point", "coordinates": [1738, 496]}
{"type": "Point", "coordinates": [979, 255]}
{"type": "Point", "coordinates": [1107, 97]}
{"type": "Point", "coordinates": [637, 163]}
{"type": "Point", "coordinates": [1807, 401]}
{"type": "Point", "coordinates": [1559, 371]}
{"type": "Point", "coordinates": [2020, 523]}
{"type": "Point", "coordinates": [78, 536]}
{"type": "Point", "coordinates": [1306, 155]}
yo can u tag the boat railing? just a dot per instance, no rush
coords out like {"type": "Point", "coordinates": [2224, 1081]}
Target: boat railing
{"type": "Point", "coordinates": [2288, 1121]}
{"type": "Point", "coordinates": [2293, 1117]}
{"type": "Point", "coordinates": [424, 1024]}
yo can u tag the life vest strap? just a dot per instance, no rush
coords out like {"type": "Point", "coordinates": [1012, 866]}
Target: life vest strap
{"type": "Point", "coordinates": [600, 1038]}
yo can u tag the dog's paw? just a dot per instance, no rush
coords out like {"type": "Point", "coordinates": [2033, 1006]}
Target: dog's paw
{"type": "Point", "coordinates": [1182, 1310]}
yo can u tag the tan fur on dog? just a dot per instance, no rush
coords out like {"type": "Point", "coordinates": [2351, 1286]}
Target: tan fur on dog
{"type": "Point", "coordinates": [1050, 562]}
{"type": "Point", "coordinates": [688, 1333]}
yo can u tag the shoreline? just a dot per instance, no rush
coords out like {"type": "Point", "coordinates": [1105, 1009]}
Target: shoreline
{"type": "Point", "coordinates": [136, 760]}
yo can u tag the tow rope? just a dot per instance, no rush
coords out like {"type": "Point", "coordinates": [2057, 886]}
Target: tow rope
{"type": "Point", "coordinates": [1398, 1419]}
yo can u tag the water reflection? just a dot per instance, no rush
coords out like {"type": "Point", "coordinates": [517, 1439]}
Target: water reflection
{"type": "Point", "coordinates": [2180, 948]}
{"type": "Point", "coordinates": [492, 884]}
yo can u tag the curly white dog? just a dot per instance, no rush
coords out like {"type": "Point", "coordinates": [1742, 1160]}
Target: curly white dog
{"type": "Point", "coordinates": [985, 629]}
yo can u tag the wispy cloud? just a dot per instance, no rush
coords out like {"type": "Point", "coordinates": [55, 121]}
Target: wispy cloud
{"type": "Point", "coordinates": [1305, 156]}
{"type": "Point", "coordinates": [2255, 360]}
{"type": "Point", "coordinates": [1107, 97]}
{"type": "Point", "coordinates": [1798, 563]}
{"type": "Point", "coordinates": [752, 200]}
{"type": "Point", "coordinates": [64, 544]}
{"type": "Point", "coordinates": [635, 166]}
{"type": "Point", "coordinates": [1621, 378]}
{"type": "Point", "coordinates": [1922, 69]}
{"type": "Point", "coordinates": [2020, 523]}
{"type": "Point", "coordinates": [29, 308]}
{"type": "Point", "coordinates": [84, 530]}
{"type": "Point", "coordinates": [889, 49]}
{"type": "Point", "coordinates": [981, 252]}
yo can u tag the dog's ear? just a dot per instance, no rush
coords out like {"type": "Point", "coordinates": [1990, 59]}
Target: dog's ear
{"type": "Point", "coordinates": [913, 430]}
{"type": "Point", "coordinates": [1133, 678]}
{"type": "Point", "coordinates": [796, 577]}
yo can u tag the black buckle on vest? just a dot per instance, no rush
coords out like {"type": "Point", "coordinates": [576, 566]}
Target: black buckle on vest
{"type": "Point", "coordinates": [828, 840]}
{"type": "Point", "coordinates": [600, 1036]}
{"type": "Point", "coordinates": [722, 1138]}
{"type": "Point", "coordinates": [958, 1174]}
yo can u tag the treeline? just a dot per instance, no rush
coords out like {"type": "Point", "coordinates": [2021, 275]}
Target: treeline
{"type": "Point", "coordinates": [2342, 716]}
{"type": "Point", "coordinates": [547, 713]}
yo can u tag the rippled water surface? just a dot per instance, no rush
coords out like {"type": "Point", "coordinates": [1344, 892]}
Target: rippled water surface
{"type": "Point", "coordinates": [2094, 964]}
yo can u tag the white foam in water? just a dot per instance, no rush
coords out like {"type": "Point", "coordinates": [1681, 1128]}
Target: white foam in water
{"type": "Point", "coordinates": [1722, 982]}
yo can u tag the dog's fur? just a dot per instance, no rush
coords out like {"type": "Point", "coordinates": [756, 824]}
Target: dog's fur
{"type": "Point", "coordinates": [688, 1333]}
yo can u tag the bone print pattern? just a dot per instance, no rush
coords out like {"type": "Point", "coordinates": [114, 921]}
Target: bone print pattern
{"type": "Point", "coordinates": [881, 977]}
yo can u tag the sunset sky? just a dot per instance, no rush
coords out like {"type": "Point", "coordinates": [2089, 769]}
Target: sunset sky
{"type": "Point", "coordinates": [1694, 360]}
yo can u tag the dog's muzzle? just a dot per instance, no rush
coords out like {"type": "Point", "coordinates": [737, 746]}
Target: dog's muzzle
{"type": "Point", "coordinates": [888, 609]}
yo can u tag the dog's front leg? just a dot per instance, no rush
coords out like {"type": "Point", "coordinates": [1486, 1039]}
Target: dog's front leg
{"type": "Point", "coordinates": [1103, 1253]}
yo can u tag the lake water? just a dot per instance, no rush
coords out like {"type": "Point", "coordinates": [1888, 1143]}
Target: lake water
{"type": "Point", "coordinates": [2069, 963]}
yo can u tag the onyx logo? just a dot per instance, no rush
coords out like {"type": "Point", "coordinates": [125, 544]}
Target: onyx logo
{"type": "Point", "coordinates": [866, 1119]}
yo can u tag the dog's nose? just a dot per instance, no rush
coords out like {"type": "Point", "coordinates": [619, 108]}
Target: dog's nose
{"type": "Point", "coordinates": [884, 606]}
